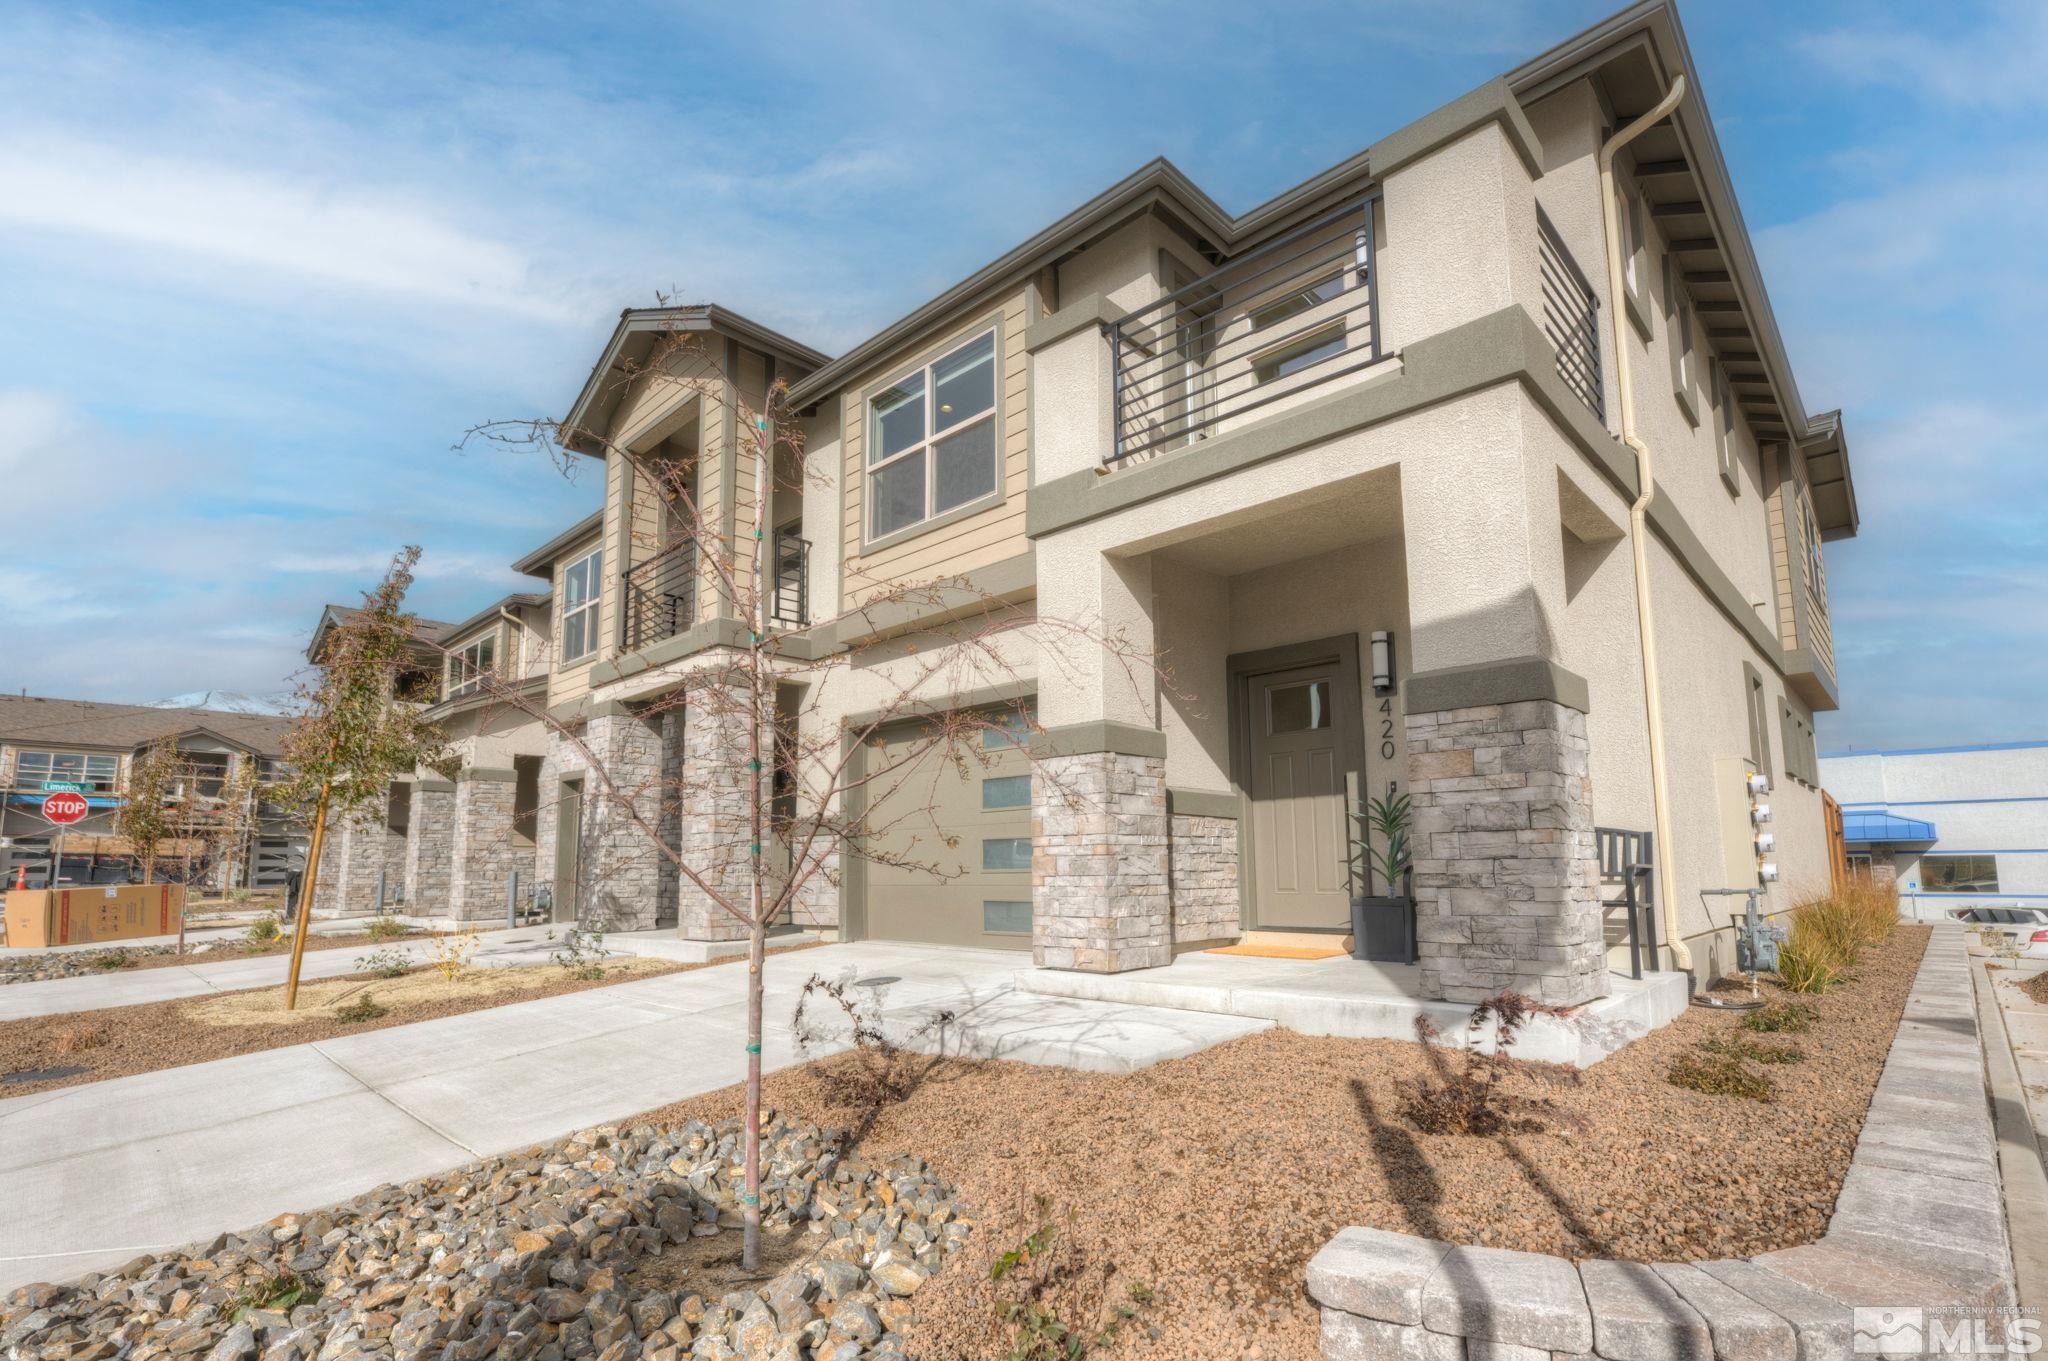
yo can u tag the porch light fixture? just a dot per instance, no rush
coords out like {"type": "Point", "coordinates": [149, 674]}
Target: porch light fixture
{"type": "Point", "coordinates": [1382, 662]}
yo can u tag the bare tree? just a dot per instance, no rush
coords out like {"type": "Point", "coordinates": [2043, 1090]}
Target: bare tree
{"type": "Point", "coordinates": [356, 729]}
{"type": "Point", "coordinates": [799, 781]}
{"type": "Point", "coordinates": [147, 820]}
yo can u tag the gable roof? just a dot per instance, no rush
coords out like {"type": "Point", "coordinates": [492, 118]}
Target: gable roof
{"type": "Point", "coordinates": [540, 562]}
{"type": "Point", "coordinates": [31, 720]}
{"type": "Point", "coordinates": [428, 634]}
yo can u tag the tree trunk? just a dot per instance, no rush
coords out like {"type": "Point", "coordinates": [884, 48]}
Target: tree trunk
{"type": "Point", "coordinates": [303, 926]}
{"type": "Point", "coordinates": [760, 704]}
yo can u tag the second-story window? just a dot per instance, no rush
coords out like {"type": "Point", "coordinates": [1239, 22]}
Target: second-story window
{"type": "Point", "coordinates": [932, 439]}
{"type": "Point", "coordinates": [581, 581]}
{"type": "Point", "coordinates": [95, 774]}
{"type": "Point", "coordinates": [1816, 573]}
{"type": "Point", "coordinates": [466, 666]}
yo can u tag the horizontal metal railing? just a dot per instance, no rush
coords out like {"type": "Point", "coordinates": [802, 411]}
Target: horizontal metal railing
{"type": "Point", "coordinates": [1571, 317]}
{"type": "Point", "coordinates": [1291, 315]}
{"type": "Point", "coordinates": [790, 602]}
{"type": "Point", "coordinates": [659, 596]}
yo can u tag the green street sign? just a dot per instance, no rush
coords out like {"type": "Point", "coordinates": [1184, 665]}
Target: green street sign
{"type": "Point", "coordinates": [62, 787]}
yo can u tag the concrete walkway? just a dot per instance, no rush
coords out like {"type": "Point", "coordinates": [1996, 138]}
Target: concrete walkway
{"type": "Point", "coordinates": [92, 1175]}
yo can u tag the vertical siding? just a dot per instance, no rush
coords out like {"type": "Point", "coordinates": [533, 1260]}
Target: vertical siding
{"type": "Point", "coordinates": [968, 544]}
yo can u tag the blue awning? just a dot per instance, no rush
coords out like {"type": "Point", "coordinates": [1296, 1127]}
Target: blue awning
{"type": "Point", "coordinates": [1873, 825]}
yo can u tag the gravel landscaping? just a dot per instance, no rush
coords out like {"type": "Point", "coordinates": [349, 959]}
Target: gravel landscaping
{"type": "Point", "coordinates": [129, 958]}
{"type": "Point", "coordinates": [1206, 1183]}
{"type": "Point", "coordinates": [90, 1046]}
{"type": "Point", "coordinates": [617, 1244]}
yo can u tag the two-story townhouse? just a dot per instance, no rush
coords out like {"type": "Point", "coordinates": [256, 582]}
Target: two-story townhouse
{"type": "Point", "coordinates": [1473, 467]}
{"type": "Point", "coordinates": [91, 747]}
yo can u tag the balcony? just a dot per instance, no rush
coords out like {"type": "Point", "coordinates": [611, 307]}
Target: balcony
{"type": "Point", "coordinates": [1268, 326]}
{"type": "Point", "coordinates": [1571, 317]}
{"type": "Point", "coordinates": [659, 596]}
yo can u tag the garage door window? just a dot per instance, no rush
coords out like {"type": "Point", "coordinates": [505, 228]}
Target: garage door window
{"type": "Point", "coordinates": [1006, 853]}
{"type": "Point", "coordinates": [1006, 791]}
{"type": "Point", "coordinates": [1006, 917]}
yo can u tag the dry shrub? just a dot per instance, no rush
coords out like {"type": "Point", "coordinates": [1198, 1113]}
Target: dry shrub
{"type": "Point", "coordinates": [78, 1039]}
{"type": "Point", "coordinates": [881, 1071]}
{"type": "Point", "coordinates": [364, 1008]}
{"type": "Point", "coordinates": [1781, 1018]}
{"type": "Point", "coordinates": [1740, 1047]}
{"type": "Point", "coordinates": [1719, 1075]}
{"type": "Point", "coordinates": [1052, 1303]}
{"type": "Point", "coordinates": [1472, 1097]}
{"type": "Point", "coordinates": [1830, 930]}
{"type": "Point", "coordinates": [450, 952]}
{"type": "Point", "coordinates": [384, 926]}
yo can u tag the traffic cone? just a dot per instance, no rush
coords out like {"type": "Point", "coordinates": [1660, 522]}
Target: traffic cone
{"type": "Point", "coordinates": [21, 878]}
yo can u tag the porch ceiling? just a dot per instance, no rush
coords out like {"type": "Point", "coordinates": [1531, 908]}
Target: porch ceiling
{"type": "Point", "coordinates": [1355, 512]}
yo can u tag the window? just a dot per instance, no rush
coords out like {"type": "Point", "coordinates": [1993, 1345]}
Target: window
{"type": "Point", "coordinates": [1724, 425]}
{"type": "Point", "coordinates": [1006, 917]}
{"type": "Point", "coordinates": [1006, 853]}
{"type": "Point", "coordinates": [582, 581]}
{"type": "Point", "coordinates": [1006, 791]}
{"type": "Point", "coordinates": [1684, 370]}
{"type": "Point", "coordinates": [1006, 731]}
{"type": "Point", "coordinates": [466, 666]}
{"type": "Point", "coordinates": [1305, 353]}
{"type": "Point", "coordinates": [1298, 708]}
{"type": "Point", "coordinates": [1631, 214]}
{"type": "Point", "coordinates": [1959, 873]}
{"type": "Point", "coordinates": [1759, 712]}
{"type": "Point", "coordinates": [1299, 301]}
{"type": "Point", "coordinates": [1802, 761]}
{"type": "Point", "coordinates": [97, 774]}
{"type": "Point", "coordinates": [932, 439]}
{"type": "Point", "coordinates": [1859, 864]}
{"type": "Point", "coordinates": [1816, 572]}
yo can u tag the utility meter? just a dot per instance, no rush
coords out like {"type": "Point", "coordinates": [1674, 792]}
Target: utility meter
{"type": "Point", "coordinates": [1768, 871]}
{"type": "Point", "coordinates": [1765, 843]}
{"type": "Point", "coordinates": [1760, 813]}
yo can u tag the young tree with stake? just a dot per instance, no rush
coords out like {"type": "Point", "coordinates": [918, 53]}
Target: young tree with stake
{"type": "Point", "coordinates": [811, 779]}
{"type": "Point", "coordinates": [356, 730]}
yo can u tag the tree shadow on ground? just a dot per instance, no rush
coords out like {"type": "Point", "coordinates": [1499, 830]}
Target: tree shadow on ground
{"type": "Point", "coordinates": [1409, 1175]}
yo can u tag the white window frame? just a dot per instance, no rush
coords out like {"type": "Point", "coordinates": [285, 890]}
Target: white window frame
{"type": "Point", "coordinates": [1684, 366]}
{"type": "Point", "coordinates": [932, 437]}
{"type": "Point", "coordinates": [1635, 254]}
{"type": "Point", "coordinates": [1724, 425]}
{"type": "Point", "coordinates": [85, 760]}
{"type": "Point", "coordinates": [594, 560]}
{"type": "Point", "coordinates": [466, 671]}
{"type": "Point", "coordinates": [1816, 569]}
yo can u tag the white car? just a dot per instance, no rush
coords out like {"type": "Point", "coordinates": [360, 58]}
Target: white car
{"type": "Point", "coordinates": [2028, 926]}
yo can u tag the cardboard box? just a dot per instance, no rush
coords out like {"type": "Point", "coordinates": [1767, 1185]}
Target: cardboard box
{"type": "Point", "coordinates": [92, 914]}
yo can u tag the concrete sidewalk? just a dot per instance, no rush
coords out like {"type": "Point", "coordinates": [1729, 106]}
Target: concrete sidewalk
{"type": "Point", "coordinates": [226, 972]}
{"type": "Point", "coordinates": [92, 1175]}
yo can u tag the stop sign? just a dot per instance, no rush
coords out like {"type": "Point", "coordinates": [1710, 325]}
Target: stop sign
{"type": "Point", "coordinates": [63, 807]}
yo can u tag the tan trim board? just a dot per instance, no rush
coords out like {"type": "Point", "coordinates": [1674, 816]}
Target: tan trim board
{"type": "Point", "coordinates": [1203, 803]}
{"type": "Point", "coordinates": [1082, 739]}
{"type": "Point", "coordinates": [1514, 681]}
{"type": "Point", "coordinates": [434, 786]}
{"type": "Point", "coordinates": [488, 773]}
{"type": "Point", "coordinates": [981, 697]}
{"type": "Point", "coordinates": [1093, 310]}
{"type": "Point", "coordinates": [999, 581]}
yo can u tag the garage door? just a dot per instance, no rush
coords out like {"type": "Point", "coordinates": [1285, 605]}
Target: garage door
{"type": "Point", "coordinates": [982, 896]}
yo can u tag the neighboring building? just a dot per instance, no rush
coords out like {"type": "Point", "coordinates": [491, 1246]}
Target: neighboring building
{"type": "Point", "coordinates": [48, 744]}
{"type": "Point", "coordinates": [1951, 826]}
{"type": "Point", "coordinates": [1384, 406]}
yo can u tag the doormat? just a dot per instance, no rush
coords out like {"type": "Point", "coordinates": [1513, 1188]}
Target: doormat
{"type": "Point", "coordinates": [1281, 951]}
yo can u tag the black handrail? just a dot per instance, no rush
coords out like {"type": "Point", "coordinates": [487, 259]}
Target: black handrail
{"type": "Point", "coordinates": [1628, 856]}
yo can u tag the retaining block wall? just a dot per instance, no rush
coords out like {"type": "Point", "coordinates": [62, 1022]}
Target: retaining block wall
{"type": "Point", "coordinates": [1919, 1223]}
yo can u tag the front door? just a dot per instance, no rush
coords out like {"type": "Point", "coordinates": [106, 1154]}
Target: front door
{"type": "Point", "coordinates": [1300, 730]}
{"type": "Point", "coordinates": [568, 849]}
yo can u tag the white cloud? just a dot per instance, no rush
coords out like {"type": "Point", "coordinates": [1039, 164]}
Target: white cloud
{"type": "Point", "coordinates": [343, 235]}
{"type": "Point", "coordinates": [1996, 65]}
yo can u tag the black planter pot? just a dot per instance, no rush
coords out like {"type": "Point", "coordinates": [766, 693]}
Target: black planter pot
{"type": "Point", "coordinates": [1383, 929]}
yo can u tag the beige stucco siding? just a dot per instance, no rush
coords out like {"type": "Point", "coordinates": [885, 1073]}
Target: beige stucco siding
{"type": "Point", "coordinates": [963, 545]}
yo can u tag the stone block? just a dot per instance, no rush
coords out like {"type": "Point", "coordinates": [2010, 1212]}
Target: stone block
{"type": "Point", "coordinates": [1823, 1325]}
{"type": "Point", "coordinates": [1506, 1296]}
{"type": "Point", "coordinates": [1741, 1328]}
{"type": "Point", "coordinates": [1376, 1273]}
{"type": "Point", "coordinates": [1637, 1316]}
{"type": "Point", "coordinates": [1347, 1337]}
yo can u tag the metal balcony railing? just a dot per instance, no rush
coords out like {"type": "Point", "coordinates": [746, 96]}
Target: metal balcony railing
{"type": "Point", "coordinates": [1627, 860]}
{"type": "Point", "coordinates": [1571, 317]}
{"type": "Point", "coordinates": [659, 596]}
{"type": "Point", "coordinates": [790, 604]}
{"type": "Point", "coordinates": [1293, 314]}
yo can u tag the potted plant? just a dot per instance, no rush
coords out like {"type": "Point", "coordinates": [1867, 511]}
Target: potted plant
{"type": "Point", "coordinates": [1383, 925]}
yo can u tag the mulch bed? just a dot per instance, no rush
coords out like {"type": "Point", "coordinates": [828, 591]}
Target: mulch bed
{"type": "Point", "coordinates": [122, 1041]}
{"type": "Point", "coordinates": [1209, 1181]}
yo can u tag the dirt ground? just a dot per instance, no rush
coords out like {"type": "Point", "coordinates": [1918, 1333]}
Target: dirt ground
{"type": "Point", "coordinates": [1208, 1182]}
{"type": "Point", "coordinates": [221, 948]}
{"type": "Point", "coordinates": [120, 1041]}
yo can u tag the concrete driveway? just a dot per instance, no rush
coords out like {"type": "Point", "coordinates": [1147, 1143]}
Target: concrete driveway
{"type": "Point", "coordinates": [92, 1175]}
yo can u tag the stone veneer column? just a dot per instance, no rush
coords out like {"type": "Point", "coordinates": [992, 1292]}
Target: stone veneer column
{"type": "Point", "coordinates": [1205, 887]}
{"type": "Point", "coordinates": [620, 866]}
{"type": "Point", "coordinates": [430, 848]}
{"type": "Point", "coordinates": [1099, 871]}
{"type": "Point", "coordinates": [1506, 879]}
{"type": "Point", "coordinates": [714, 828]}
{"type": "Point", "coordinates": [481, 851]}
{"type": "Point", "coordinates": [349, 863]}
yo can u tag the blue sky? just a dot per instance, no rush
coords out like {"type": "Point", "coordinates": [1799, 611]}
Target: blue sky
{"type": "Point", "coordinates": [261, 265]}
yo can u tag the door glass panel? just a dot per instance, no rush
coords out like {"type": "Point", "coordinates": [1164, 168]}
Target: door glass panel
{"type": "Point", "coordinates": [1298, 708]}
{"type": "Point", "coordinates": [1006, 853]}
{"type": "Point", "coordinates": [1006, 917]}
